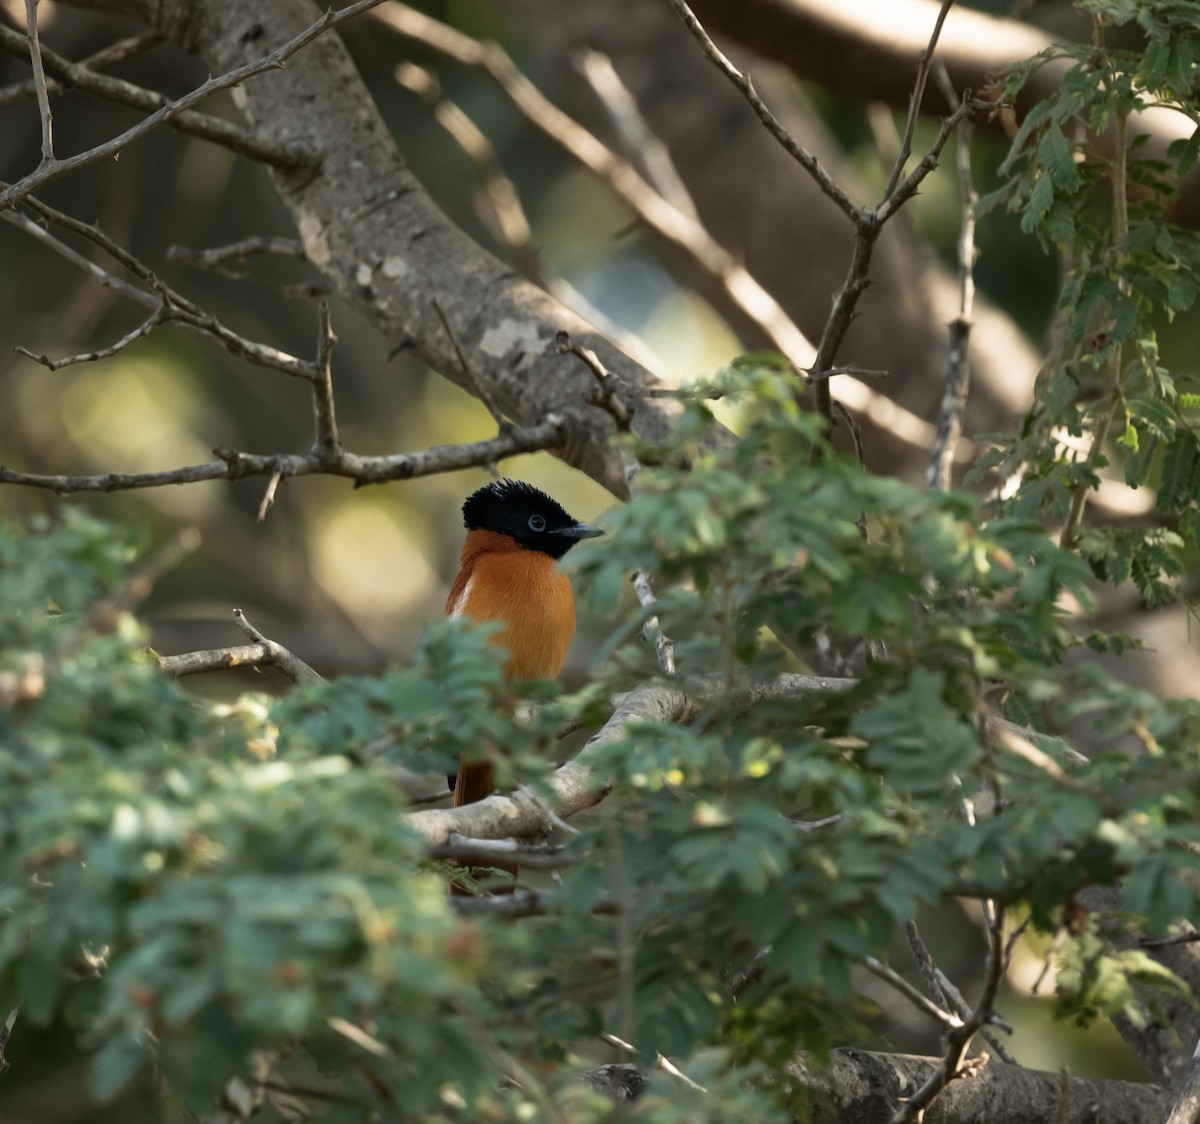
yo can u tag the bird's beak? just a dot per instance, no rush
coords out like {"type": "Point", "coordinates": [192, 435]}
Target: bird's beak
{"type": "Point", "coordinates": [581, 531]}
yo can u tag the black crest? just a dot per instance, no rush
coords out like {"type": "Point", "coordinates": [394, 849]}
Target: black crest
{"type": "Point", "coordinates": [527, 514]}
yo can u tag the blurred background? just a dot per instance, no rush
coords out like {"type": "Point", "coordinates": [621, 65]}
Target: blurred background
{"type": "Point", "coordinates": [346, 578]}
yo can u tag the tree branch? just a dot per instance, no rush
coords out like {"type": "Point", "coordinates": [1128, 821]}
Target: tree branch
{"type": "Point", "coordinates": [861, 1087]}
{"type": "Point", "coordinates": [681, 229]}
{"type": "Point", "coordinates": [551, 433]}
{"type": "Point", "coordinates": [53, 170]}
{"type": "Point", "coordinates": [106, 56]}
{"type": "Point", "coordinates": [81, 76]}
{"type": "Point", "coordinates": [261, 652]}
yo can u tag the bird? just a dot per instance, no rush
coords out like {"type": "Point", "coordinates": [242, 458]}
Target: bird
{"type": "Point", "coordinates": [508, 573]}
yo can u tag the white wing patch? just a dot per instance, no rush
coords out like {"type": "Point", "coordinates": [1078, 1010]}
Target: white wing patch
{"type": "Point", "coordinates": [460, 602]}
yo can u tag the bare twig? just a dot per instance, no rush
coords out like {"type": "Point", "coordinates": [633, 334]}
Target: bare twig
{"type": "Point", "coordinates": [925, 962]}
{"type": "Point", "coordinates": [159, 316]}
{"type": "Point", "coordinates": [327, 444]}
{"type": "Point", "coordinates": [268, 500]}
{"type": "Point", "coordinates": [743, 82]}
{"type": "Point", "coordinates": [962, 1008]}
{"type": "Point", "coordinates": [847, 369]}
{"type": "Point", "coordinates": [953, 1061]}
{"type": "Point", "coordinates": [81, 76]}
{"type": "Point", "coordinates": [651, 630]}
{"type": "Point", "coordinates": [868, 223]}
{"type": "Point", "coordinates": [261, 652]}
{"type": "Point", "coordinates": [468, 371]}
{"type": "Point", "coordinates": [918, 96]}
{"type": "Point", "coordinates": [958, 371]}
{"type": "Point", "coordinates": [106, 56]}
{"type": "Point", "coordinates": [899, 983]}
{"type": "Point", "coordinates": [617, 172]}
{"type": "Point", "coordinates": [34, 46]}
{"type": "Point", "coordinates": [218, 256]}
{"type": "Point", "coordinates": [233, 465]}
{"type": "Point", "coordinates": [663, 1063]}
{"type": "Point", "coordinates": [155, 292]}
{"type": "Point", "coordinates": [47, 173]}
{"type": "Point", "coordinates": [606, 397]}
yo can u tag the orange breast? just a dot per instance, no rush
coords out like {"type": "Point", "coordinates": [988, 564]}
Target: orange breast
{"type": "Point", "coordinates": [524, 591]}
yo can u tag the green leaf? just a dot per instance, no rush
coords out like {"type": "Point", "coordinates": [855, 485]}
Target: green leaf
{"type": "Point", "coordinates": [1058, 159]}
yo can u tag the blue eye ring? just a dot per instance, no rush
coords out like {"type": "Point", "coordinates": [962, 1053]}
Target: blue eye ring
{"type": "Point", "coordinates": [537, 523]}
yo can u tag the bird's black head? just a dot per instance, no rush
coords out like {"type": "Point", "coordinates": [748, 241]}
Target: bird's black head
{"type": "Point", "coordinates": [522, 512]}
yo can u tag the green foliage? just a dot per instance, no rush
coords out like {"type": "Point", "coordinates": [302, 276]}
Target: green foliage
{"type": "Point", "coordinates": [1128, 271]}
{"type": "Point", "coordinates": [188, 884]}
{"type": "Point", "coordinates": [183, 884]}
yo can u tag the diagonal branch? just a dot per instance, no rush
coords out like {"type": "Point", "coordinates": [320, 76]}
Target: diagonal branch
{"type": "Point", "coordinates": [81, 76]}
{"type": "Point", "coordinates": [105, 57]}
{"type": "Point", "coordinates": [156, 295]}
{"type": "Point", "coordinates": [746, 85]}
{"type": "Point", "coordinates": [275, 59]}
{"type": "Point", "coordinates": [681, 229]}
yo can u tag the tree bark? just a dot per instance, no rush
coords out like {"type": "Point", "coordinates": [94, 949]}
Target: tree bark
{"type": "Point", "coordinates": [864, 1088]}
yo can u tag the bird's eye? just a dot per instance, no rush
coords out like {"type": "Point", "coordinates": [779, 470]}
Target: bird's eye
{"type": "Point", "coordinates": [537, 523]}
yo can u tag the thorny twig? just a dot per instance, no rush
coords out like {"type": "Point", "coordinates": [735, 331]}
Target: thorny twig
{"type": "Point", "coordinates": [744, 83]}
{"type": "Point", "coordinates": [551, 433]}
{"type": "Point", "coordinates": [923, 1004]}
{"type": "Point", "coordinates": [106, 56]}
{"type": "Point", "coordinates": [81, 76]}
{"type": "Point", "coordinates": [662, 1062]}
{"type": "Point", "coordinates": [59, 168]}
{"type": "Point", "coordinates": [39, 80]}
{"type": "Point", "coordinates": [153, 293]}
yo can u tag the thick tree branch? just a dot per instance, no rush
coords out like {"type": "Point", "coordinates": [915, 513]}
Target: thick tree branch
{"type": "Point", "coordinates": [865, 1088]}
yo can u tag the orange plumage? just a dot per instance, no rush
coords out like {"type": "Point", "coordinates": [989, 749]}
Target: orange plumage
{"type": "Point", "coordinates": [508, 573]}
